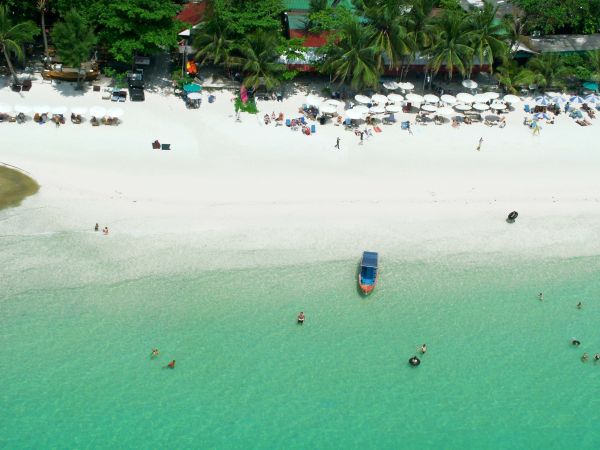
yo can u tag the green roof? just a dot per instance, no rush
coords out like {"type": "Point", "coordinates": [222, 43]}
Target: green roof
{"type": "Point", "coordinates": [304, 5]}
{"type": "Point", "coordinates": [297, 21]}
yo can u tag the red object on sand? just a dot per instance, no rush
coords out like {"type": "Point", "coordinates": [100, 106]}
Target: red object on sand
{"type": "Point", "coordinates": [244, 94]}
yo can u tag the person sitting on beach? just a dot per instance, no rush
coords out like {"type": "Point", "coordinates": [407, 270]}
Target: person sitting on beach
{"type": "Point", "coordinates": [273, 115]}
{"type": "Point", "coordinates": [468, 120]}
{"type": "Point", "coordinates": [340, 120]}
{"type": "Point", "coordinates": [455, 123]}
{"type": "Point", "coordinates": [424, 348]}
{"type": "Point", "coordinates": [280, 117]}
{"type": "Point", "coordinates": [154, 353]}
{"type": "Point", "coordinates": [301, 318]}
{"type": "Point", "coordinates": [267, 119]}
{"type": "Point", "coordinates": [105, 231]}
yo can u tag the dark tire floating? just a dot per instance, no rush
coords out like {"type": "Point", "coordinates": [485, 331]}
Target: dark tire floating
{"type": "Point", "coordinates": [512, 217]}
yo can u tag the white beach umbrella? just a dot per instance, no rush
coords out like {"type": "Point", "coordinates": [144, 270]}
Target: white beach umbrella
{"type": "Point", "coordinates": [354, 114]}
{"type": "Point", "coordinates": [498, 106]}
{"type": "Point", "coordinates": [59, 110]}
{"type": "Point", "coordinates": [79, 110]}
{"type": "Point", "coordinates": [97, 111]}
{"type": "Point", "coordinates": [327, 108]}
{"type": "Point", "coordinates": [430, 98]}
{"type": "Point", "coordinates": [313, 100]}
{"type": "Point", "coordinates": [480, 98]}
{"type": "Point", "coordinates": [492, 95]}
{"type": "Point", "coordinates": [377, 109]}
{"type": "Point", "coordinates": [395, 98]}
{"type": "Point", "coordinates": [469, 84]}
{"type": "Point", "coordinates": [362, 99]}
{"type": "Point", "coordinates": [465, 97]}
{"type": "Point", "coordinates": [462, 107]}
{"type": "Point", "coordinates": [194, 95]}
{"type": "Point", "coordinates": [41, 109]}
{"type": "Point", "coordinates": [362, 108]}
{"type": "Point", "coordinates": [393, 108]}
{"type": "Point", "coordinates": [429, 107]}
{"type": "Point", "coordinates": [115, 112]}
{"type": "Point", "coordinates": [414, 98]}
{"type": "Point", "coordinates": [481, 107]}
{"type": "Point", "coordinates": [448, 99]}
{"type": "Point", "coordinates": [380, 99]}
{"type": "Point", "coordinates": [391, 85]}
{"type": "Point", "coordinates": [334, 102]}
{"type": "Point", "coordinates": [509, 98]}
{"type": "Point", "coordinates": [406, 86]}
{"type": "Point", "coordinates": [445, 111]}
{"type": "Point", "coordinates": [21, 109]}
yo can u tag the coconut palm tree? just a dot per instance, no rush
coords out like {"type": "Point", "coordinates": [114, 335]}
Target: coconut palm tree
{"type": "Point", "coordinates": [451, 45]}
{"type": "Point", "coordinates": [489, 36]}
{"type": "Point", "coordinates": [41, 6]}
{"type": "Point", "coordinates": [416, 21]}
{"type": "Point", "coordinates": [549, 69]}
{"type": "Point", "coordinates": [258, 60]}
{"type": "Point", "coordinates": [12, 38]}
{"type": "Point", "coordinates": [354, 57]}
{"type": "Point", "coordinates": [390, 36]}
{"type": "Point", "coordinates": [511, 76]}
{"type": "Point", "coordinates": [213, 43]}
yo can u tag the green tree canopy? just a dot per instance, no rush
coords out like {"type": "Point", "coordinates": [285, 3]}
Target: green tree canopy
{"type": "Point", "coordinates": [12, 37]}
{"type": "Point", "coordinates": [561, 16]}
{"type": "Point", "coordinates": [258, 55]}
{"type": "Point", "coordinates": [74, 40]}
{"type": "Point", "coordinates": [244, 17]}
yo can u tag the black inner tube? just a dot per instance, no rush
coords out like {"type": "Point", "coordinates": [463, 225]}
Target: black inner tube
{"type": "Point", "coordinates": [414, 361]}
{"type": "Point", "coordinates": [513, 215]}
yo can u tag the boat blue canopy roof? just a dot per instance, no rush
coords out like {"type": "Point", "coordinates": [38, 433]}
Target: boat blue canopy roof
{"type": "Point", "coordinates": [369, 259]}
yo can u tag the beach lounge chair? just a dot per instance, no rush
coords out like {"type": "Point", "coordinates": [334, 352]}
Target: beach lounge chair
{"type": "Point", "coordinates": [165, 146]}
{"type": "Point", "coordinates": [156, 145]}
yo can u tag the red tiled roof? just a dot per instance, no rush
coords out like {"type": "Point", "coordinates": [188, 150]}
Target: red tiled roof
{"type": "Point", "coordinates": [310, 39]}
{"type": "Point", "coordinates": [192, 13]}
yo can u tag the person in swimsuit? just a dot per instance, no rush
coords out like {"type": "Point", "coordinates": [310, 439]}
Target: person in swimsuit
{"type": "Point", "coordinates": [154, 353]}
{"type": "Point", "coordinates": [301, 318]}
{"type": "Point", "coordinates": [579, 305]}
{"type": "Point", "coordinates": [424, 348]}
{"type": "Point", "coordinates": [171, 365]}
{"type": "Point", "coordinates": [97, 227]}
{"type": "Point", "coordinates": [597, 357]}
{"type": "Point", "coordinates": [105, 230]}
{"type": "Point", "coordinates": [575, 342]}
{"type": "Point", "coordinates": [584, 357]}
{"type": "Point", "coordinates": [541, 296]}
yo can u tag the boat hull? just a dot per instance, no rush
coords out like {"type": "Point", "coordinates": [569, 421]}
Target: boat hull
{"type": "Point", "coordinates": [366, 288]}
{"type": "Point", "coordinates": [69, 76]}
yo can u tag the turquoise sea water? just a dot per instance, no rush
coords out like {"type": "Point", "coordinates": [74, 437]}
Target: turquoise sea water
{"type": "Point", "coordinates": [499, 372]}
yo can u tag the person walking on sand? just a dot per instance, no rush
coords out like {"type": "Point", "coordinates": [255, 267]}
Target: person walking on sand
{"type": "Point", "coordinates": [536, 129]}
{"type": "Point", "coordinates": [362, 135]}
{"type": "Point", "coordinates": [479, 145]}
{"type": "Point", "coordinates": [337, 143]}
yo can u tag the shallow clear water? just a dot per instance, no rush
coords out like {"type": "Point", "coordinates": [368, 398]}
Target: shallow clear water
{"type": "Point", "coordinates": [499, 373]}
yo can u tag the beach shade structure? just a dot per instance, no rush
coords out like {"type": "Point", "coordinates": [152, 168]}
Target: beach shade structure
{"type": "Point", "coordinates": [576, 100]}
{"type": "Point", "coordinates": [445, 111]}
{"type": "Point", "coordinates": [448, 99]}
{"type": "Point", "coordinates": [379, 99]}
{"type": "Point", "coordinates": [362, 108]}
{"type": "Point", "coordinates": [430, 98]}
{"type": "Point", "coordinates": [480, 98]}
{"type": "Point", "coordinates": [362, 99]}
{"type": "Point", "coordinates": [5, 109]}
{"type": "Point", "coordinates": [58, 110]}
{"type": "Point", "coordinates": [354, 114]}
{"type": "Point", "coordinates": [540, 116]}
{"type": "Point", "coordinates": [542, 100]}
{"type": "Point", "coordinates": [313, 100]}
{"type": "Point", "coordinates": [509, 98]}
{"type": "Point", "coordinates": [394, 108]}
{"type": "Point", "coordinates": [414, 98]}
{"type": "Point", "coordinates": [406, 86]}
{"type": "Point", "coordinates": [79, 110]}
{"type": "Point", "coordinates": [391, 85]}
{"type": "Point", "coordinates": [327, 108]}
{"type": "Point", "coordinates": [591, 86]}
{"type": "Point", "coordinates": [115, 112]}
{"type": "Point", "coordinates": [379, 109]}
{"type": "Point", "coordinates": [334, 102]}
{"type": "Point", "coordinates": [194, 96]}
{"type": "Point", "coordinates": [498, 106]}
{"type": "Point", "coordinates": [192, 87]}
{"type": "Point", "coordinates": [559, 100]}
{"type": "Point", "coordinates": [429, 107]}
{"type": "Point", "coordinates": [97, 111]}
{"type": "Point", "coordinates": [462, 107]}
{"type": "Point", "coordinates": [593, 98]}
{"type": "Point", "coordinates": [469, 84]}
{"type": "Point", "coordinates": [465, 97]}
{"type": "Point", "coordinates": [395, 98]}
{"type": "Point", "coordinates": [22, 109]}
{"type": "Point", "coordinates": [41, 109]}
{"type": "Point", "coordinates": [481, 107]}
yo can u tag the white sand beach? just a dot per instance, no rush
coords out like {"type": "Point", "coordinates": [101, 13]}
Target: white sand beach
{"type": "Point", "coordinates": [249, 186]}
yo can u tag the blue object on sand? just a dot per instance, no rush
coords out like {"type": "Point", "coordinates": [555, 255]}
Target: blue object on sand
{"type": "Point", "coordinates": [192, 87]}
{"type": "Point", "coordinates": [313, 128]}
{"type": "Point", "coordinates": [591, 86]}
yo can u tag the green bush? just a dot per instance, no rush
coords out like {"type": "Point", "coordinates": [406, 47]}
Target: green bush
{"type": "Point", "coordinates": [249, 107]}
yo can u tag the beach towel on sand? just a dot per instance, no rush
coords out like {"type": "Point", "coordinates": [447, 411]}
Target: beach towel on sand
{"type": "Point", "coordinates": [377, 129]}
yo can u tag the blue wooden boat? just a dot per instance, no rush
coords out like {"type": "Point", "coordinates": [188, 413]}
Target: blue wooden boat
{"type": "Point", "coordinates": [367, 277]}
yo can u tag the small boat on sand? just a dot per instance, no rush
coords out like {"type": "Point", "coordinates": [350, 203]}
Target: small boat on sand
{"type": "Point", "coordinates": [367, 277]}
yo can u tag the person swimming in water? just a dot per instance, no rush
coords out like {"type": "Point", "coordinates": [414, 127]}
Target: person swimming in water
{"type": "Point", "coordinates": [301, 318]}
{"type": "Point", "coordinates": [575, 342]}
{"type": "Point", "coordinates": [579, 305]}
{"type": "Point", "coordinates": [424, 348]}
{"type": "Point", "coordinates": [597, 357]}
{"type": "Point", "coordinates": [97, 227]}
{"type": "Point", "coordinates": [541, 296]}
{"type": "Point", "coordinates": [584, 357]}
{"type": "Point", "coordinates": [154, 353]}
{"type": "Point", "coordinates": [171, 365]}
{"type": "Point", "coordinates": [414, 361]}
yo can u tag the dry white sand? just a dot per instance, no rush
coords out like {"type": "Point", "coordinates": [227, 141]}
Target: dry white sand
{"type": "Point", "coordinates": [242, 187]}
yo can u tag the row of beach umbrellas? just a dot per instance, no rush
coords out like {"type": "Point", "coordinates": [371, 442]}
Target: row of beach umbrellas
{"type": "Point", "coordinates": [392, 85]}
{"type": "Point", "coordinates": [557, 98]}
{"type": "Point", "coordinates": [95, 111]}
